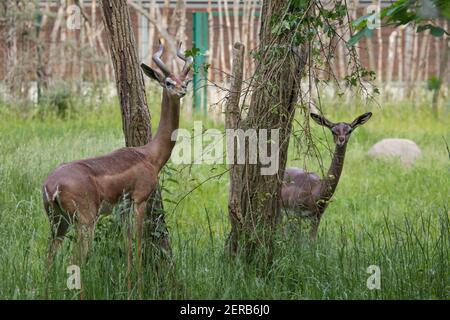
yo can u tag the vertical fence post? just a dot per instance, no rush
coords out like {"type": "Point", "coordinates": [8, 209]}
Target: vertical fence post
{"type": "Point", "coordinates": [200, 39]}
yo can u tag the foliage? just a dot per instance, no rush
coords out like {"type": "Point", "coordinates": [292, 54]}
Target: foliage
{"type": "Point", "coordinates": [434, 83]}
{"type": "Point", "coordinates": [421, 13]}
{"type": "Point", "coordinates": [193, 52]}
{"type": "Point", "coordinates": [326, 25]}
{"type": "Point", "coordinates": [56, 100]}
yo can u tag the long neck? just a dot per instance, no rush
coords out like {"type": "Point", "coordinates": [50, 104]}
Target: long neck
{"type": "Point", "coordinates": [330, 182]}
{"type": "Point", "coordinates": [159, 149]}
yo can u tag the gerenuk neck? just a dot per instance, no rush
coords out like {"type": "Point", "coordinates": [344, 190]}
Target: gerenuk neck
{"type": "Point", "coordinates": [331, 181]}
{"type": "Point", "coordinates": [159, 149]}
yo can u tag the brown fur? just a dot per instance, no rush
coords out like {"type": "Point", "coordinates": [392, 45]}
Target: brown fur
{"type": "Point", "coordinates": [306, 194]}
{"type": "Point", "coordinates": [77, 192]}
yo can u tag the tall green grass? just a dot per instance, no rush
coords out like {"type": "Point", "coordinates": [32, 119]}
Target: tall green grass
{"type": "Point", "coordinates": [383, 214]}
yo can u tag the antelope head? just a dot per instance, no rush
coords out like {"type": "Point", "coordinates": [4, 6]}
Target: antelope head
{"type": "Point", "coordinates": [342, 130]}
{"type": "Point", "coordinates": [174, 84]}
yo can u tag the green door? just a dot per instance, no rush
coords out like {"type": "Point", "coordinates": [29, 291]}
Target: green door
{"type": "Point", "coordinates": [200, 41]}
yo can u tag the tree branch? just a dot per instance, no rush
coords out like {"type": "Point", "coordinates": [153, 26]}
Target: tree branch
{"type": "Point", "coordinates": [158, 25]}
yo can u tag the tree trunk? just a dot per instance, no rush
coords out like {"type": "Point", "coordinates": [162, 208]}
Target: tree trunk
{"type": "Point", "coordinates": [441, 75]}
{"type": "Point", "coordinates": [221, 45]}
{"type": "Point", "coordinates": [381, 60]}
{"type": "Point", "coordinates": [131, 91]}
{"type": "Point", "coordinates": [272, 106]}
{"type": "Point", "coordinates": [41, 81]}
{"type": "Point", "coordinates": [232, 119]}
{"type": "Point", "coordinates": [400, 55]}
{"type": "Point", "coordinates": [390, 64]}
{"type": "Point", "coordinates": [228, 28]}
{"type": "Point", "coordinates": [9, 8]}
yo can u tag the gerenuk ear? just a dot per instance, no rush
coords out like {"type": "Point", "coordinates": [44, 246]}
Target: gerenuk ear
{"type": "Point", "coordinates": [361, 119]}
{"type": "Point", "coordinates": [322, 120]}
{"type": "Point", "coordinates": [151, 73]}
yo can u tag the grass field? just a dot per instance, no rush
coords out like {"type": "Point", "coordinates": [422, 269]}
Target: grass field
{"type": "Point", "coordinates": [382, 214]}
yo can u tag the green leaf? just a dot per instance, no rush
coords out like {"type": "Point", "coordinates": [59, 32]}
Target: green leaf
{"type": "Point", "coordinates": [193, 52]}
{"type": "Point", "coordinates": [422, 28]}
{"type": "Point", "coordinates": [434, 83]}
{"type": "Point", "coordinates": [362, 21]}
{"type": "Point", "coordinates": [206, 67]}
{"type": "Point", "coordinates": [364, 32]}
{"type": "Point", "coordinates": [435, 31]}
{"type": "Point", "coordinates": [444, 7]}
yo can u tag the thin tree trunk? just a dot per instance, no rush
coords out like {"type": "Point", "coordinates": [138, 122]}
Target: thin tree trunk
{"type": "Point", "coordinates": [342, 70]}
{"type": "Point", "coordinates": [11, 46]}
{"type": "Point", "coordinates": [272, 107]}
{"type": "Point", "coordinates": [353, 8]}
{"type": "Point", "coordinates": [41, 81]}
{"type": "Point", "coordinates": [408, 51]}
{"type": "Point", "coordinates": [442, 75]}
{"type": "Point", "coordinates": [62, 66]}
{"type": "Point", "coordinates": [211, 38]}
{"type": "Point", "coordinates": [380, 50]}
{"type": "Point", "coordinates": [99, 40]}
{"type": "Point", "coordinates": [70, 52]}
{"type": "Point", "coordinates": [437, 54]}
{"type": "Point", "coordinates": [90, 29]}
{"type": "Point", "coordinates": [151, 33]}
{"type": "Point", "coordinates": [52, 55]}
{"type": "Point", "coordinates": [131, 91]}
{"type": "Point", "coordinates": [80, 62]}
{"type": "Point", "coordinates": [236, 24]}
{"type": "Point", "coordinates": [160, 25]}
{"type": "Point", "coordinates": [370, 54]}
{"type": "Point", "coordinates": [92, 44]}
{"type": "Point", "coordinates": [165, 13]}
{"type": "Point", "coordinates": [400, 55]}
{"type": "Point", "coordinates": [181, 28]}
{"type": "Point", "coordinates": [232, 119]}
{"type": "Point", "coordinates": [230, 39]}
{"type": "Point", "coordinates": [413, 66]}
{"type": "Point", "coordinates": [424, 44]}
{"type": "Point", "coordinates": [391, 57]}
{"type": "Point", "coordinates": [223, 65]}
{"type": "Point", "coordinates": [244, 26]}
{"type": "Point", "coordinates": [426, 72]}
{"type": "Point", "coordinates": [249, 63]}
{"type": "Point", "coordinates": [176, 30]}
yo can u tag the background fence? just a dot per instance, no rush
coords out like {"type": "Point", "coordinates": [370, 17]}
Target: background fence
{"type": "Point", "coordinates": [60, 45]}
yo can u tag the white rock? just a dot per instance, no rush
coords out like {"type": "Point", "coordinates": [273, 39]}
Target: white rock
{"type": "Point", "coordinates": [408, 151]}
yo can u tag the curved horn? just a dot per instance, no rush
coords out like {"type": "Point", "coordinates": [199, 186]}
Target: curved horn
{"type": "Point", "coordinates": [188, 61]}
{"type": "Point", "coordinates": [157, 59]}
